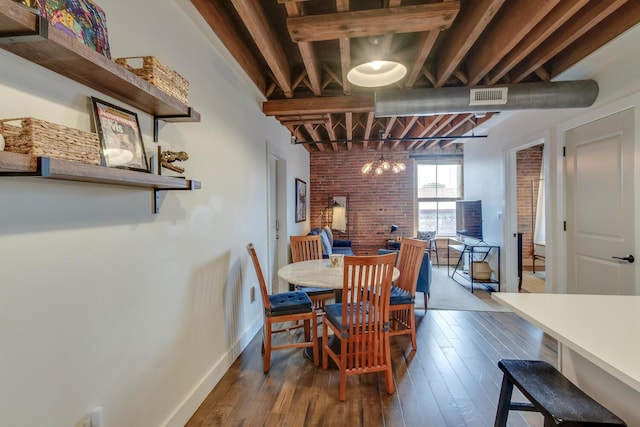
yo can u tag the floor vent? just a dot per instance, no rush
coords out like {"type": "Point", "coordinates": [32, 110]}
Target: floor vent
{"type": "Point", "coordinates": [488, 96]}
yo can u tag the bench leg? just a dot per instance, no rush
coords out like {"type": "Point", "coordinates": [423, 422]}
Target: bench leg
{"type": "Point", "coordinates": [504, 403]}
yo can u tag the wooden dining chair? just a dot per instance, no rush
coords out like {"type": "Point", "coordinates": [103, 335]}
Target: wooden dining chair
{"type": "Point", "coordinates": [305, 248]}
{"type": "Point", "coordinates": [361, 321]}
{"type": "Point", "coordinates": [403, 292]}
{"type": "Point", "coordinates": [294, 306]}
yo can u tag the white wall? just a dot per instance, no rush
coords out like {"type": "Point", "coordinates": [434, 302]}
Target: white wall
{"type": "Point", "coordinates": [616, 68]}
{"type": "Point", "coordinates": [103, 303]}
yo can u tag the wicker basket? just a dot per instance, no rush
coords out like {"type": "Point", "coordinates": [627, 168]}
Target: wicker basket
{"type": "Point", "coordinates": [43, 139]}
{"type": "Point", "coordinates": [159, 75]}
{"type": "Point", "coordinates": [481, 270]}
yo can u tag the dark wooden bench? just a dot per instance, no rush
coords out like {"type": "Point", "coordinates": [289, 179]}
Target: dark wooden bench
{"type": "Point", "coordinates": [560, 402]}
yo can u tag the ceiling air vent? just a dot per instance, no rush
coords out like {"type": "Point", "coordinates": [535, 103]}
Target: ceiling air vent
{"type": "Point", "coordinates": [488, 96]}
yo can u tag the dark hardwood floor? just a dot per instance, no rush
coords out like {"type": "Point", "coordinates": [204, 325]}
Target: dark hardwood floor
{"type": "Point", "coordinates": [451, 380]}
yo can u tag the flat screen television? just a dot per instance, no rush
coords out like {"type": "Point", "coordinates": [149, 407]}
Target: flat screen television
{"type": "Point", "coordinates": [469, 218]}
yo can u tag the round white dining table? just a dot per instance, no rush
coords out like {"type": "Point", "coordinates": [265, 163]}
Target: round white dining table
{"type": "Point", "coordinates": [317, 273]}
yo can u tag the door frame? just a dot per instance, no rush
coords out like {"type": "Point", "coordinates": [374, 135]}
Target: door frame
{"type": "Point", "coordinates": [511, 221]}
{"type": "Point", "coordinates": [280, 202]}
{"type": "Point", "coordinates": [631, 101]}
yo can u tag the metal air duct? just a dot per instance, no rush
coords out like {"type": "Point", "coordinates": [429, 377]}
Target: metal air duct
{"type": "Point", "coordinates": [521, 96]}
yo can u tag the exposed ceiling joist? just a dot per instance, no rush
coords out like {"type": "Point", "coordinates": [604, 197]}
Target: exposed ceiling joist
{"type": "Point", "coordinates": [373, 22]}
{"type": "Point", "coordinates": [443, 44]}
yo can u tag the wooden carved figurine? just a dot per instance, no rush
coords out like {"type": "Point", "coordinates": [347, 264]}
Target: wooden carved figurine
{"type": "Point", "coordinates": [168, 157]}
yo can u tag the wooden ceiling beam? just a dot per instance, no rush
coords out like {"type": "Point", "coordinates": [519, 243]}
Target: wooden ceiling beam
{"type": "Point", "coordinates": [345, 64]}
{"type": "Point", "coordinates": [329, 126]}
{"type": "Point", "coordinates": [610, 28]}
{"type": "Point", "coordinates": [313, 133]}
{"type": "Point", "coordinates": [471, 22]}
{"type": "Point", "coordinates": [367, 130]}
{"type": "Point", "coordinates": [424, 47]}
{"type": "Point", "coordinates": [409, 125]}
{"type": "Point", "coordinates": [310, 60]}
{"type": "Point", "coordinates": [272, 87]}
{"type": "Point", "coordinates": [298, 119]}
{"type": "Point", "coordinates": [456, 124]}
{"type": "Point", "coordinates": [296, 82]}
{"type": "Point", "coordinates": [326, 104]}
{"type": "Point", "coordinates": [301, 137]}
{"type": "Point", "coordinates": [348, 125]}
{"type": "Point", "coordinates": [220, 23]}
{"type": "Point", "coordinates": [364, 23]}
{"type": "Point", "coordinates": [442, 123]}
{"type": "Point", "coordinates": [428, 123]}
{"type": "Point", "coordinates": [345, 51]}
{"type": "Point", "coordinates": [389, 126]}
{"type": "Point", "coordinates": [336, 78]}
{"type": "Point", "coordinates": [429, 76]}
{"type": "Point", "coordinates": [510, 27]}
{"type": "Point", "coordinates": [575, 28]}
{"type": "Point", "coordinates": [252, 14]}
{"type": "Point", "coordinates": [542, 74]}
{"type": "Point", "coordinates": [308, 54]}
{"type": "Point", "coordinates": [554, 20]}
{"type": "Point", "coordinates": [460, 76]}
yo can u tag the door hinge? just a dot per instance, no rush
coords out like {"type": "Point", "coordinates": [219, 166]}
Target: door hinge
{"type": "Point", "coordinates": [564, 225]}
{"type": "Point", "coordinates": [564, 151]}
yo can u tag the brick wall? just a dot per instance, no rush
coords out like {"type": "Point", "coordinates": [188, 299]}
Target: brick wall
{"type": "Point", "coordinates": [375, 202]}
{"type": "Point", "coordinates": [528, 164]}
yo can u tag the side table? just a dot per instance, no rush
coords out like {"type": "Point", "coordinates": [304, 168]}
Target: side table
{"type": "Point", "coordinates": [472, 251]}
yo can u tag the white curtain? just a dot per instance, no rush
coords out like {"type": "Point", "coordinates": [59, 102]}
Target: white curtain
{"type": "Point", "coordinates": [539, 226]}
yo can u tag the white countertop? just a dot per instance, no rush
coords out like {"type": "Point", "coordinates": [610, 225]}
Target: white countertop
{"type": "Point", "coordinates": [604, 329]}
{"type": "Point", "coordinates": [316, 273]}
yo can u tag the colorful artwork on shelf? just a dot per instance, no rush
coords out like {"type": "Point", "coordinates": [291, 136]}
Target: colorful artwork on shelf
{"type": "Point", "coordinates": [81, 19]}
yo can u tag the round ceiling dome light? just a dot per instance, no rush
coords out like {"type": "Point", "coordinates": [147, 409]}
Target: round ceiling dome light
{"type": "Point", "coordinates": [376, 73]}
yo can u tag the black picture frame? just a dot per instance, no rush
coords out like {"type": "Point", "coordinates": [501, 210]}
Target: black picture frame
{"type": "Point", "coordinates": [121, 144]}
{"type": "Point", "coordinates": [301, 200]}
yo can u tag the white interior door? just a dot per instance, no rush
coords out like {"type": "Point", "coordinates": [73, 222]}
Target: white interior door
{"type": "Point", "coordinates": [600, 206]}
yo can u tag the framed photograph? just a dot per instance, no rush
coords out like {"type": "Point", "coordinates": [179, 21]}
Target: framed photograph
{"type": "Point", "coordinates": [301, 200]}
{"type": "Point", "coordinates": [120, 137]}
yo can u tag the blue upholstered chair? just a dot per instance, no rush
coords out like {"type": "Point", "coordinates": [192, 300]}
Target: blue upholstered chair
{"type": "Point", "coordinates": [402, 315]}
{"type": "Point", "coordinates": [424, 277]}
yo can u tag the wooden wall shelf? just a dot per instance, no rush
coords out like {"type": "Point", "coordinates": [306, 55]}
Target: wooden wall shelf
{"type": "Point", "coordinates": [29, 36]}
{"type": "Point", "coordinates": [16, 164]}
{"type": "Point", "coordinates": [25, 34]}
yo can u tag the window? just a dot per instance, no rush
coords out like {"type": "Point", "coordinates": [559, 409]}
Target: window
{"type": "Point", "coordinates": [439, 185]}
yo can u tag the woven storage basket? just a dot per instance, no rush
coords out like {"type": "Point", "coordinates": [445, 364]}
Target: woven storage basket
{"type": "Point", "coordinates": [159, 75]}
{"type": "Point", "coordinates": [43, 139]}
{"type": "Point", "coordinates": [481, 270]}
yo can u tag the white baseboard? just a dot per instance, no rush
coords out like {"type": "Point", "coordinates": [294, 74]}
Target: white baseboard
{"type": "Point", "coordinates": [195, 398]}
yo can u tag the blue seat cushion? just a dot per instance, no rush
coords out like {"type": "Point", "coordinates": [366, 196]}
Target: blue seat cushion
{"type": "Point", "coordinates": [334, 315]}
{"type": "Point", "coordinates": [314, 291]}
{"type": "Point", "coordinates": [401, 296]}
{"type": "Point", "coordinates": [289, 303]}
